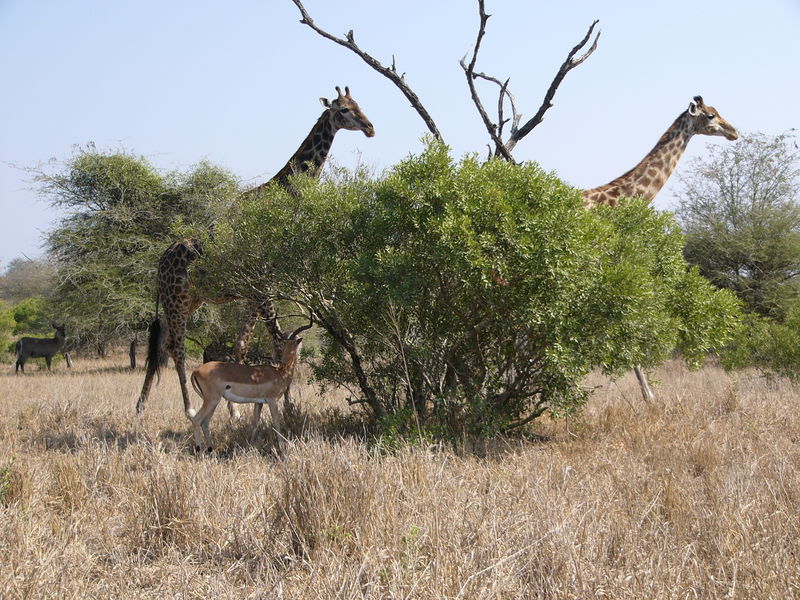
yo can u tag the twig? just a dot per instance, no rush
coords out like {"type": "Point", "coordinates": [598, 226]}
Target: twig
{"type": "Point", "coordinates": [517, 133]}
{"type": "Point", "coordinates": [469, 73]}
{"type": "Point", "coordinates": [570, 63]}
{"type": "Point", "coordinates": [388, 72]}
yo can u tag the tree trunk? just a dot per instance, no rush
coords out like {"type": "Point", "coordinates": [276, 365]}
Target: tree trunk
{"type": "Point", "coordinates": [647, 393]}
{"type": "Point", "coordinates": [132, 353]}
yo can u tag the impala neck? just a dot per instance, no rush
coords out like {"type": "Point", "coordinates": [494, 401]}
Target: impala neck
{"type": "Point", "coordinates": [288, 363]}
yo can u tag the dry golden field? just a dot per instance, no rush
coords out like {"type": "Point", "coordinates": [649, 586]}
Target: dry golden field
{"type": "Point", "coordinates": [694, 496]}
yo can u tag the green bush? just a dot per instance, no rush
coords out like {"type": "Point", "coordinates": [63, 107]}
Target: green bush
{"type": "Point", "coordinates": [29, 316]}
{"type": "Point", "coordinates": [771, 346]}
{"type": "Point", "coordinates": [468, 296]}
{"type": "Point", "coordinates": [7, 324]}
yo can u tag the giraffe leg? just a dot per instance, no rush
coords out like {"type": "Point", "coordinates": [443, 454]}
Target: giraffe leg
{"type": "Point", "coordinates": [175, 346]}
{"type": "Point", "coordinates": [245, 336]}
{"type": "Point", "coordinates": [647, 393]}
{"type": "Point", "coordinates": [252, 314]}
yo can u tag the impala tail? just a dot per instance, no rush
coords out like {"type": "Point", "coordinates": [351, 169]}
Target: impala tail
{"type": "Point", "coordinates": [196, 385]}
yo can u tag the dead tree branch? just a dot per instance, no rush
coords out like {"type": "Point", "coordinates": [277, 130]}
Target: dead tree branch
{"type": "Point", "coordinates": [388, 72]}
{"type": "Point", "coordinates": [570, 63]}
{"type": "Point", "coordinates": [469, 72]}
{"type": "Point", "coordinates": [517, 133]}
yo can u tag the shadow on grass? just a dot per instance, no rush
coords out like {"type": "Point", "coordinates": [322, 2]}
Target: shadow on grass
{"type": "Point", "coordinates": [67, 429]}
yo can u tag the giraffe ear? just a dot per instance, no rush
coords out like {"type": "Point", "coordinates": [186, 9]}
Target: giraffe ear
{"type": "Point", "coordinates": [694, 109]}
{"type": "Point", "coordinates": [325, 102]}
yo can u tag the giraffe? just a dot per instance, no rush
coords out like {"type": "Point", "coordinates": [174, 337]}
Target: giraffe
{"type": "Point", "coordinates": [647, 178]}
{"type": "Point", "coordinates": [175, 290]}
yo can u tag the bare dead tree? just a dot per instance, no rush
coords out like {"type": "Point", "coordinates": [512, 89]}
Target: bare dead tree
{"type": "Point", "coordinates": [517, 133]}
{"type": "Point", "coordinates": [495, 130]}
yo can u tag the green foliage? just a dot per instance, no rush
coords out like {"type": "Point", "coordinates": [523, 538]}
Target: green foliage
{"type": "Point", "coordinates": [772, 347]}
{"type": "Point", "coordinates": [739, 208]}
{"type": "Point", "coordinates": [7, 324]}
{"type": "Point", "coordinates": [471, 297]}
{"type": "Point", "coordinates": [122, 214]}
{"type": "Point", "coordinates": [29, 316]}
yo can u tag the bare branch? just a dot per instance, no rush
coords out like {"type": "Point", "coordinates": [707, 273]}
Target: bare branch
{"type": "Point", "coordinates": [469, 72]}
{"type": "Point", "coordinates": [388, 72]}
{"type": "Point", "coordinates": [504, 91]}
{"type": "Point", "coordinates": [496, 129]}
{"type": "Point", "coordinates": [570, 63]}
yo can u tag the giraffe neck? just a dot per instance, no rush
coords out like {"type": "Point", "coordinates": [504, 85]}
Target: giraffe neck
{"type": "Point", "coordinates": [648, 177]}
{"type": "Point", "coordinates": [312, 153]}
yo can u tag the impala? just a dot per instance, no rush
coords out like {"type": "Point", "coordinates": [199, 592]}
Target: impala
{"type": "Point", "coordinates": [255, 384]}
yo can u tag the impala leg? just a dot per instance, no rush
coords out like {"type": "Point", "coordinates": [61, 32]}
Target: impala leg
{"type": "Point", "coordinates": [233, 410]}
{"type": "Point", "coordinates": [201, 421]}
{"type": "Point", "coordinates": [241, 345]}
{"type": "Point", "coordinates": [256, 421]}
{"type": "Point", "coordinates": [276, 414]}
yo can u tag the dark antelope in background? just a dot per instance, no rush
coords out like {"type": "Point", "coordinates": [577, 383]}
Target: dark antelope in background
{"type": "Point", "coordinates": [29, 347]}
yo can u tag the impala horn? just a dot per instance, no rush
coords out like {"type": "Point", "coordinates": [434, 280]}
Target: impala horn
{"type": "Point", "coordinates": [301, 329]}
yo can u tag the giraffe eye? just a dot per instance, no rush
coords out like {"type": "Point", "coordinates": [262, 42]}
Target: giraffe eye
{"type": "Point", "coordinates": [710, 115]}
{"type": "Point", "coordinates": [344, 110]}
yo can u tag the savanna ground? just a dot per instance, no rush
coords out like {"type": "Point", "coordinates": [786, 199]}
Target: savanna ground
{"type": "Point", "coordinates": [693, 496]}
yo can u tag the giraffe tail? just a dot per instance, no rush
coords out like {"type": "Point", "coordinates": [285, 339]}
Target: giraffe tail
{"type": "Point", "coordinates": [156, 357]}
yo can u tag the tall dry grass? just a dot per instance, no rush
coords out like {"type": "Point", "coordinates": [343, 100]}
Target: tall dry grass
{"type": "Point", "coordinates": [693, 496]}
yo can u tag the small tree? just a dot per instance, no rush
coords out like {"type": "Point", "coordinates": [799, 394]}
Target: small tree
{"type": "Point", "coordinates": [471, 295]}
{"type": "Point", "coordinates": [122, 214]}
{"type": "Point", "coordinates": [740, 210]}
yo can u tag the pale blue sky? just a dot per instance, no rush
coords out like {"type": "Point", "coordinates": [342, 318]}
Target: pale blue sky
{"type": "Point", "coordinates": [238, 82]}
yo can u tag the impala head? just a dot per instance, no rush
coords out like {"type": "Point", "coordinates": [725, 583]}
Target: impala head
{"type": "Point", "coordinates": [346, 114]}
{"type": "Point", "coordinates": [707, 121]}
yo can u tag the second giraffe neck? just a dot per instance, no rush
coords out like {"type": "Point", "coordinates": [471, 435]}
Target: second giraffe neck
{"type": "Point", "coordinates": [312, 153]}
{"type": "Point", "coordinates": [648, 177]}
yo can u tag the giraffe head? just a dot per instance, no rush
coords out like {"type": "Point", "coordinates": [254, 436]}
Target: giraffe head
{"type": "Point", "coordinates": [346, 114]}
{"type": "Point", "coordinates": [707, 121]}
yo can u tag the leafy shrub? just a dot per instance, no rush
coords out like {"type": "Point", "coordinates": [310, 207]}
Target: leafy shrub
{"type": "Point", "coordinates": [467, 296]}
{"type": "Point", "coordinates": [771, 346]}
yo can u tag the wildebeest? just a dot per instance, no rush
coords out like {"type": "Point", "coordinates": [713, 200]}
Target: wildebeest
{"type": "Point", "coordinates": [29, 347]}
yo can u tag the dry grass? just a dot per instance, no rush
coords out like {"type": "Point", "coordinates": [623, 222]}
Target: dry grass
{"type": "Point", "coordinates": [695, 496]}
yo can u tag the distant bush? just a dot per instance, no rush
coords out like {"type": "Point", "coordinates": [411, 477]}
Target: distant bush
{"type": "Point", "coordinates": [29, 316]}
{"type": "Point", "coordinates": [468, 296]}
{"type": "Point", "coordinates": [771, 346]}
{"type": "Point", "coordinates": [7, 323]}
